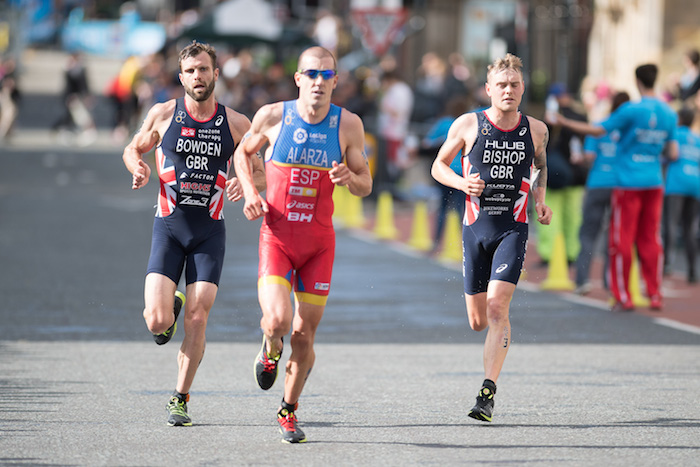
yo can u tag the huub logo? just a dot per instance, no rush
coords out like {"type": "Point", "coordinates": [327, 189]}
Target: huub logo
{"type": "Point", "coordinates": [300, 136]}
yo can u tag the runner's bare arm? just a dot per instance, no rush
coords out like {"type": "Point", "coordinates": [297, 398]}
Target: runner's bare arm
{"type": "Point", "coordinates": [461, 136]}
{"type": "Point", "coordinates": [144, 140]}
{"type": "Point", "coordinates": [540, 137]}
{"type": "Point", "coordinates": [267, 117]}
{"type": "Point", "coordinates": [239, 126]}
{"type": "Point", "coordinates": [354, 171]}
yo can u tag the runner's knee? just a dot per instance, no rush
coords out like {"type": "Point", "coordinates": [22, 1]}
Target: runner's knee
{"type": "Point", "coordinates": [477, 323]}
{"type": "Point", "coordinates": [276, 323]}
{"type": "Point", "coordinates": [157, 321]}
{"type": "Point", "coordinates": [302, 341]}
{"type": "Point", "coordinates": [196, 319]}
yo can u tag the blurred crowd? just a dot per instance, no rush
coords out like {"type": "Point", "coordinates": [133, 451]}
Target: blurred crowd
{"type": "Point", "coordinates": [584, 176]}
{"type": "Point", "coordinates": [407, 118]}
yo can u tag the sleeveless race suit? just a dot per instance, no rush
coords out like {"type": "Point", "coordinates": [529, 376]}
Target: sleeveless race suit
{"type": "Point", "coordinates": [297, 240]}
{"type": "Point", "coordinates": [495, 223]}
{"type": "Point", "coordinates": [193, 161]}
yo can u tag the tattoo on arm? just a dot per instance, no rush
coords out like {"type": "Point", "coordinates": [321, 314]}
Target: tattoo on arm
{"type": "Point", "coordinates": [541, 162]}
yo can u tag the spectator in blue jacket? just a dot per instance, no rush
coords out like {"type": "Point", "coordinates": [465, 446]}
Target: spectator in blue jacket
{"type": "Point", "coordinates": [602, 178]}
{"type": "Point", "coordinates": [682, 196]}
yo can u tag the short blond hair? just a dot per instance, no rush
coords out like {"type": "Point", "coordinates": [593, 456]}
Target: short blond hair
{"type": "Point", "coordinates": [509, 62]}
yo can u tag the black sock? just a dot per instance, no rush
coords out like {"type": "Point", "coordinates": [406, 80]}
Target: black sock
{"type": "Point", "coordinates": [181, 396]}
{"type": "Point", "coordinates": [288, 407]}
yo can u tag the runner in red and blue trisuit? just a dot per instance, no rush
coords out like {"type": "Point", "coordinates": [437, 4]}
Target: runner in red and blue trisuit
{"type": "Point", "coordinates": [297, 240]}
{"type": "Point", "coordinates": [313, 146]}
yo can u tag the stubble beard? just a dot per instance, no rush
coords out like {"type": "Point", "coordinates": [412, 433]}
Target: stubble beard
{"type": "Point", "coordinates": [203, 95]}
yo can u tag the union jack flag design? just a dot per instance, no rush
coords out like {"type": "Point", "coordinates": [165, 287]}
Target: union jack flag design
{"type": "Point", "coordinates": [216, 205]}
{"type": "Point", "coordinates": [503, 158]}
{"type": "Point", "coordinates": [193, 161]}
{"type": "Point", "coordinates": [520, 213]}
{"type": "Point", "coordinates": [472, 205]}
{"type": "Point", "coordinates": [167, 197]}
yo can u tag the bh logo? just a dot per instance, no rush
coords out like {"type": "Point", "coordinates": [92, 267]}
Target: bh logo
{"type": "Point", "coordinates": [300, 136]}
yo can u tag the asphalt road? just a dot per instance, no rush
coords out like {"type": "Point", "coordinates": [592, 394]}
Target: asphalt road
{"type": "Point", "coordinates": [397, 367]}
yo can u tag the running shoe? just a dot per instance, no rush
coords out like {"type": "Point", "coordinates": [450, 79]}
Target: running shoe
{"type": "Point", "coordinates": [619, 307]}
{"type": "Point", "coordinates": [177, 409]}
{"type": "Point", "coordinates": [165, 337]}
{"type": "Point", "coordinates": [291, 433]}
{"type": "Point", "coordinates": [583, 289]}
{"type": "Point", "coordinates": [483, 409]}
{"type": "Point", "coordinates": [266, 367]}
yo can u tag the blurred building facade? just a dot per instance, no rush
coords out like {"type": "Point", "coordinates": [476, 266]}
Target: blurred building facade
{"type": "Point", "coordinates": [560, 40]}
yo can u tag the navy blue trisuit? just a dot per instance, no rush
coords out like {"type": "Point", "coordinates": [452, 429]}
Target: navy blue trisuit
{"type": "Point", "coordinates": [193, 161]}
{"type": "Point", "coordinates": [495, 231]}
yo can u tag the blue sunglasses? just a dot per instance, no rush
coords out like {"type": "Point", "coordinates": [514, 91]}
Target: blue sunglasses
{"type": "Point", "coordinates": [313, 74]}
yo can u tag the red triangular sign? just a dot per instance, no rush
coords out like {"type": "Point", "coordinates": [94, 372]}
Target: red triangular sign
{"type": "Point", "coordinates": [379, 26]}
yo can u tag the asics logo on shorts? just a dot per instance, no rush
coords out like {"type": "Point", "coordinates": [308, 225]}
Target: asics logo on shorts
{"type": "Point", "coordinates": [501, 268]}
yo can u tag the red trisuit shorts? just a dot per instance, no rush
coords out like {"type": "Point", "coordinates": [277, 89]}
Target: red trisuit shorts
{"type": "Point", "coordinates": [301, 261]}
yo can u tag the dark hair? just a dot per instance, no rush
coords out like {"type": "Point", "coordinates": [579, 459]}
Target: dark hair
{"type": "Point", "coordinates": [694, 56]}
{"type": "Point", "coordinates": [619, 99]}
{"type": "Point", "coordinates": [194, 49]}
{"type": "Point", "coordinates": [685, 116]}
{"type": "Point", "coordinates": [646, 74]}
